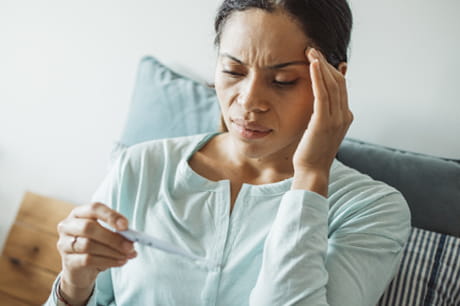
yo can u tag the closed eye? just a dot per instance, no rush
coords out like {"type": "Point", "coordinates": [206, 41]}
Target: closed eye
{"type": "Point", "coordinates": [277, 83]}
{"type": "Point", "coordinates": [290, 83]}
{"type": "Point", "coordinates": [232, 73]}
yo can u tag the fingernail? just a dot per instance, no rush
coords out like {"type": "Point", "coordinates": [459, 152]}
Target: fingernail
{"type": "Point", "coordinates": [121, 223]}
{"type": "Point", "coordinates": [128, 246]}
{"type": "Point", "coordinates": [132, 255]}
{"type": "Point", "coordinates": [315, 53]}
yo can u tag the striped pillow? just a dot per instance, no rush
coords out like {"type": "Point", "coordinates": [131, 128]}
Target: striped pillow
{"type": "Point", "coordinates": [429, 273]}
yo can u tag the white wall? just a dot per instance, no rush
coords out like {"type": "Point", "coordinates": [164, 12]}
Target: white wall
{"type": "Point", "coordinates": [67, 71]}
{"type": "Point", "coordinates": [404, 74]}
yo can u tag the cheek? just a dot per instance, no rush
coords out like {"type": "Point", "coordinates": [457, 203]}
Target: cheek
{"type": "Point", "coordinates": [223, 97]}
{"type": "Point", "coordinates": [297, 112]}
{"type": "Point", "coordinates": [301, 98]}
{"type": "Point", "coordinates": [305, 97]}
{"type": "Point", "coordinates": [221, 91]}
{"type": "Point", "coordinates": [225, 90]}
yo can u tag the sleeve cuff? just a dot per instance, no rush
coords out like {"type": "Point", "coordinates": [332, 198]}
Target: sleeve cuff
{"type": "Point", "coordinates": [306, 198]}
{"type": "Point", "coordinates": [54, 300]}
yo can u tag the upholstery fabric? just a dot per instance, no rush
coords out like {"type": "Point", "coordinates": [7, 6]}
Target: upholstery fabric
{"type": "Point", "coordinates": [431, 185]}
{"type": "Point", "coordinates": [429, 273]}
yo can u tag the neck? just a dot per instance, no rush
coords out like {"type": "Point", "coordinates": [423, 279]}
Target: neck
{"type": "Point", "coordinates": [254, 164]}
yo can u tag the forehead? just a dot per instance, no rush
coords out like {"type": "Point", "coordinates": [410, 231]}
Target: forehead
{"type": "Point", "coordinates": [259, 34]}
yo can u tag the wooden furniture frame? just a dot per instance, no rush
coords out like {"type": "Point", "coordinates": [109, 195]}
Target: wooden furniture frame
{"type": "Point", "coordinates": [30, 261]}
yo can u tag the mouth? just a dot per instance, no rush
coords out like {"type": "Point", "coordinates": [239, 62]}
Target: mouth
{"type": "Point", "coordinates": [250, 129]}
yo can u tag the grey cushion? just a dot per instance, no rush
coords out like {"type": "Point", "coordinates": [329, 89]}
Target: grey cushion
{"type": "Point", "coordinates": [431, 185]}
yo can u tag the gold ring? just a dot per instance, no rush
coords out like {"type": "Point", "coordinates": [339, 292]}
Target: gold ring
{"type": "Point", "coordinates": [73, 244]}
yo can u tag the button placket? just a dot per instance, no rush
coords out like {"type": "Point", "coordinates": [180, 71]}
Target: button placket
{"type": "Point", "coordinates": [211, 288]}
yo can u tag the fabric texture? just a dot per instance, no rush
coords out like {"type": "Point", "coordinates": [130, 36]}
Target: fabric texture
{"type": "Point", "coordinates": [277, 247]}
{"type": "Point", "coordinates": [429, 272]}
{"type": "Point", "coordinates": [431, 185]}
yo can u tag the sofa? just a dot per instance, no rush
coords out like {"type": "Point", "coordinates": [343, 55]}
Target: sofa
{"type": "Point", "coordinates": [168, 104]}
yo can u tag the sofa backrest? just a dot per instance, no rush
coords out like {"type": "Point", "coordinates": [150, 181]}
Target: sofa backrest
{"type": "Point", "coordinates": [431, 185]}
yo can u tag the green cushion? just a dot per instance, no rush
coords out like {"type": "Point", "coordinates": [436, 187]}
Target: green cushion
{"type": "Point", "coordinates": [167, 104]}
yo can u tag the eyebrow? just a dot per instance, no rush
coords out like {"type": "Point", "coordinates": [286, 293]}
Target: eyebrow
{"type": "Point", "coordinates": [272, 67]}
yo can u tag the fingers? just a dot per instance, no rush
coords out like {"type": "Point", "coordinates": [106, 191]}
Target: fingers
{"type": "Point", "coordinates": [99, 211]}
{"type": "Point", "coordinates": [87, 247]}
{"type": "Point", "coordinates": [333, 87]}
{"type": "Point", "coordinates": [100, 263]}
{"type": "Point", "coordinates": [321, 101]}
{"type": "Point", "coordinates": [83, 245]}
{"type": "Point", "coordinates": [92, 233]}
{"type": "Point", "coordinates": [93, 238]}
{"type": "Point", "coordinates": [329, 121]}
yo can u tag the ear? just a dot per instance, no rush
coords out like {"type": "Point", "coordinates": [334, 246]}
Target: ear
{"type": "Point", "coordinates": [343, 68]}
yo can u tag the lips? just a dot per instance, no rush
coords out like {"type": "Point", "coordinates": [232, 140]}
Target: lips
{"type": "Point", "coordinates": [252, 126]}
{"type": "Point", "coordinates": [250, 130]}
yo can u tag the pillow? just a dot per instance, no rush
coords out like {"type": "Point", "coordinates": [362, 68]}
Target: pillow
{"type": "Point", "coordinates": [429, 273]}
{"type": "Point", "coordinates": [167, 104]}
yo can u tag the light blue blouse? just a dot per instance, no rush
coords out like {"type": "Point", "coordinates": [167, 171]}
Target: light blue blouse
{"type": "Point", "coordinates": [277, 247]}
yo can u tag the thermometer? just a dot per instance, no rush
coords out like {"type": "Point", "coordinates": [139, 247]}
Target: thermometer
{"type": "Point", "coordinates": [156, 243]}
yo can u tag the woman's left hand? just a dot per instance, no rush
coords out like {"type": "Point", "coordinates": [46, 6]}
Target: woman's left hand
{"type": "Point", "coordinates": [328, 124]}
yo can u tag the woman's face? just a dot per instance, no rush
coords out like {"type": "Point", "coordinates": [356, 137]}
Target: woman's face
{"type": "Point", "coordinates": [263, 83]}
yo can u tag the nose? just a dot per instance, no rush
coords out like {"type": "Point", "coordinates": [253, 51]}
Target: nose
{"type": "Point", "coordinates": [253, 96]}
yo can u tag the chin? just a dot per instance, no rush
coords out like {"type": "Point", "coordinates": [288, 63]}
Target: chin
{"type": "Point", "coordinates": [254, 149]}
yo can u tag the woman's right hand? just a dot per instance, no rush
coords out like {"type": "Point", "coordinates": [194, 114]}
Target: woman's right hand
{"type": "Point", "coordinates": [87, 248]}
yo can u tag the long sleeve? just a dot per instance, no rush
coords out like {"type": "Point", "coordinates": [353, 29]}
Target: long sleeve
{"type": "Point", "coordinates": [346, 257]}
{"type": "Point", "coordinates": [365, 252]}
{"type": "Point", "coordinates": [293, 264]}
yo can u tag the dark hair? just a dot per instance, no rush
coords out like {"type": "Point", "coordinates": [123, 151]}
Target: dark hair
{"type": "Point", "coordinates": [326, 22]}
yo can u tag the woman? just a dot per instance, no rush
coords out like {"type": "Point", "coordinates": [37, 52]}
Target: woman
{"type": "Point", "coordinates": [266, 201]}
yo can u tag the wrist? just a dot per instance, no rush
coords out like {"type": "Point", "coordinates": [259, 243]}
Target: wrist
{"type": "Point", "coordinates": [73, 295]}
{"type": "Point", "coordinates": [315, 181]}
